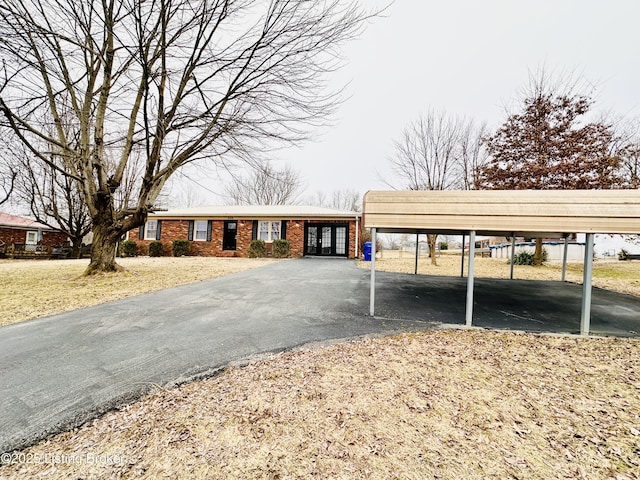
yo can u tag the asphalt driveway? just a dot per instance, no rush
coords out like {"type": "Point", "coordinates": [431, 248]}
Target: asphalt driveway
{"type": "Point", "coordinates": [60, 371]}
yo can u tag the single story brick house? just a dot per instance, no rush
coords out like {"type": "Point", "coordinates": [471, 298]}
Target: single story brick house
{"type": "Point", "coordinates": [27, 233]}
{"type": "Point", "coordinates": [227, 231]}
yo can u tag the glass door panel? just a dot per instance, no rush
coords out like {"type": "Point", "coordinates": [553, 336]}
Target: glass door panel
{"type": "Point", "coordinates": [326, 241]}
{"type": "Point", "coordinates": [341, 240]}
{"type": "Point", "coordinates": [312, 241]}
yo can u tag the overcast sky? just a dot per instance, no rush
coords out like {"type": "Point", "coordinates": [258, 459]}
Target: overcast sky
{"type": "Point", "coordinates": [469, 58]}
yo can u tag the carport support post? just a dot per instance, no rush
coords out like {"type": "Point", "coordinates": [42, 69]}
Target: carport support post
{"type": "Point", "coordinates": [586, 286]}
{"type": "Point", "coordinates": [372, 293]}
{"type": "Point", "coordinates": [564, 257]}
{"type": "Point", "coordinates": [415, 272]}
{"type": "Point", "coordinates": [462, 264]}
{"type": "Point", "coordinates": [472, 253]}
{"type": "Point", "coordinates": [513, 253]}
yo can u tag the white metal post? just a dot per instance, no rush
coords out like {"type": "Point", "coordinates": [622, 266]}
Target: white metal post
{"type": "Point", "coordinates": [564, 257]}
{"type": "Point", "coordinates": [372, 293]}
{"type": "Point", "coordinates": [462, 264]}
{"type": "Point", "coordinates": [415, 271]}
{"type": "Point", "coordinates": [585, 320]}
{"type": "Point", "coordinates": [472, 252]}
{"type": "Point", "coordinates": [513, 253]}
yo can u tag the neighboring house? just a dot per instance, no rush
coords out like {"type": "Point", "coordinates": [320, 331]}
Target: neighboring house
{"type": "Point", "coordinates": [227, 231]}
{"type": "Point", "coordinates": [27, 235]}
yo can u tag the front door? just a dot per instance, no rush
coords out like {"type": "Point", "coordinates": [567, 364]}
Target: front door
{"type": "Point", "coordinates": [229, 235]}
{"type": "Point", "coordinates": [326, 239]}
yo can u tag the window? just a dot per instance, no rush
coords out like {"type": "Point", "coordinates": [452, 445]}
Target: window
{"type": "Point", "coordinates": [200, 233]}
{"type": "Point", "coordinates": [32, 238]}
{"type": "Point", "coordinates": [151, 230]}
{"type": "Point", "coordinates": [269, 230]}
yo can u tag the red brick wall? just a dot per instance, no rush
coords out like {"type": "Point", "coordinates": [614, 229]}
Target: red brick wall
{"type": "Point", "coordinates": [12, 235]}
{"type": "Point", "coordinates": [52, 239]}
{"type": "Point", "coordinates": [295, 235]}
{"type": "Point", "coordinates": [15, 235]}
{"type": "Point", "coordinates": [179, 229]}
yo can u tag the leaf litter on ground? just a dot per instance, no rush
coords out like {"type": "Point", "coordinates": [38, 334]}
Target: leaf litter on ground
{"type": "Point", "coordinates": [441, 404]}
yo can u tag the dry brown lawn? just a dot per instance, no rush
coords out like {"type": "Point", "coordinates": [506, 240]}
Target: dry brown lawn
{"type": "Point", "coordinates": [613, 275]}
{"type": "Point", "coordinates": [35, 288]}
{"type": "Point", "coordinates": [446, 404]}
{"type": "Point", "coordinates": [442, 404]}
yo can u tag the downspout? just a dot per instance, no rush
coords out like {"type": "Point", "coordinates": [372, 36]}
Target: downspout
{"type": "Point", "coordinates": [357, 236]}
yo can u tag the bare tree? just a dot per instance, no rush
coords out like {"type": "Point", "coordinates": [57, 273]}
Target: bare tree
{"type": "Point", "coordinates": [8, 172]}
{"type": "Point", "coordinates": [345, 199]}
{"type": "Point", "coordinates": [7, 182]}
{"type": "Point", "coordinates": [436, 152]}
{"type": "Point", "coordinates": [265, 186]}
{"type": "Point", "coordinates": [473, 154]}
{"type": "Point", "coordinates": [427, 155]}
{"type": "Point", "coordinates": [107, 84]}
{"type": "Point", "coordinates": [631, 163]}
{"type": "Point", "coordinates": [54, 199]}
{"type": "Point", "coordinates": [626, 145]}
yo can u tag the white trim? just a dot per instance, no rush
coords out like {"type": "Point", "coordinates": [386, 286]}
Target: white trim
{"type": "Point", "coordinates": [146, 230]}
{"type": "Point", "coordinates": [270, 230]}
{"type": "Point", "coordinates": [34, 241]}
{"type": "Point", "coordinates": [195, 230]}
{"type": "Point", "coordinates": [258, 212]}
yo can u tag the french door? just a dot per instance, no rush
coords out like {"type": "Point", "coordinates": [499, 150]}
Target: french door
{"type": "Point", "coordinates": [326, 239]}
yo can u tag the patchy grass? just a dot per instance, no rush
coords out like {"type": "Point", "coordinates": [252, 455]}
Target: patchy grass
{"type": "Point", "coordinates": [613, 275]}
{"type": "Point", "coordinates": [442, 404]}
{"type": "Point", "coordinates": [35, 288]}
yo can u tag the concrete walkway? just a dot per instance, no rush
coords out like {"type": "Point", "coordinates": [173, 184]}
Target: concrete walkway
{"type": "Point", "coordinates": [58, 372]}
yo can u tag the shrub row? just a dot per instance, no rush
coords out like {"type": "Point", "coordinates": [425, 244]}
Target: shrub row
{"type": "Point", "coordinates": [279, 249]}
{"type": "Point", "coordinates": [129, 248]}
{"type": "Point", "coordinates": [180, 248]}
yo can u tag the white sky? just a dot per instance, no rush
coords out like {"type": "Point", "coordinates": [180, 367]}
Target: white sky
{"type": "Point", "coordinates": [469, 58]}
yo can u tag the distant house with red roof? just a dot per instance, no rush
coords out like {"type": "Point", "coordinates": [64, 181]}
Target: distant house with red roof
{"type": "Point", "coordinates": [27, 235]}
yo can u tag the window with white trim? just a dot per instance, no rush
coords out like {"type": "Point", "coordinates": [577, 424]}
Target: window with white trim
{"type": "Point", "coordinates": [32, 238]}
{"type": "Point", "coordinates": [200, 230]}
{"type": "Point", "coordinates": [151, 229]}
{"type": "Point", "coordinates": [269, 230]}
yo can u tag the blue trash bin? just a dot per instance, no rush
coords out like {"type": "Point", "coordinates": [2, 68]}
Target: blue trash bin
{"type": "Point", "coordinates": [367, 251]}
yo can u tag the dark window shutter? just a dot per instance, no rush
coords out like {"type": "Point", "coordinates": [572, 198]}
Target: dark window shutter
{"type": "Point", "coordinates": [191, 225]}
{"type": "Point", "coordinates": [283, 229]}
{"type": "Point", "coordinates": [209, 228]}
{"type": "Point", "coordinates": [254, 230]}
{"type": "Point", "coordinates": [158, 229]}
{"type": "Point", "coordinates": [141, 230]}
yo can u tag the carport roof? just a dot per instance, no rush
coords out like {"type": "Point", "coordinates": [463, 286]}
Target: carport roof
{"type": "Point", "coordinates": [490, 212]}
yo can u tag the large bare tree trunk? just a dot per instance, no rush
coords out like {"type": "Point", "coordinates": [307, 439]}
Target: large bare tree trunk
{"type": "Point", "coordinates": [76, 248]}
{"type": "Point", "coordinates": [431, 239]}
{"type": "Point", "coordinates": [103, 249]}
{"type": "Point", "coordinates": [537, 256]}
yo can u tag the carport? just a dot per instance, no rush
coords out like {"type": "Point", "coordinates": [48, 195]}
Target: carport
{"type": "Point", "coordinates": [529, 213]}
